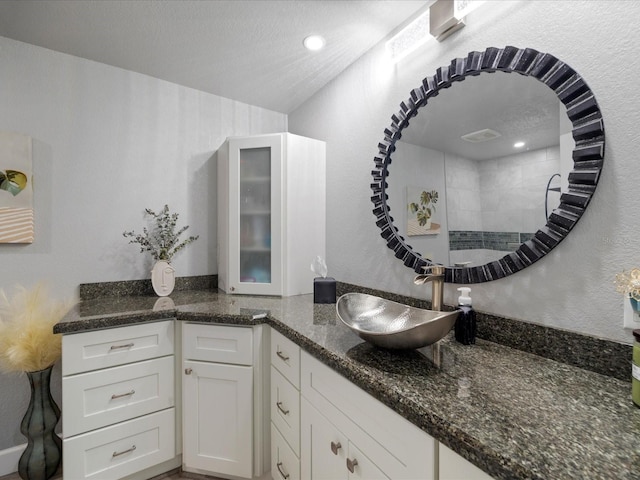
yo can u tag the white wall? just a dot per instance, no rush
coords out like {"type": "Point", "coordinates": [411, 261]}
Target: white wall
{"type": "Point", "coordinates": [415, 166]}
{"type": "Point", "coordinates": [571, 288]}
{"type": "Point", "coordinates": [512, 190]}
{"type": "Point", "coordinates": [464, 193]}
{"type": "Point", "coordinates": [108, 143]}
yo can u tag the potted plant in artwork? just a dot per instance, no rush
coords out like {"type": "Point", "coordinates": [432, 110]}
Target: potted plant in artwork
{"type": "Point", "coordinates": [425, 209]}
{"type": "Point", "coordinates": [628, 283]}
{"type": "Point", "coordinates": [28, 345]}
{"type": "Point", "coordinates": [163, 241]}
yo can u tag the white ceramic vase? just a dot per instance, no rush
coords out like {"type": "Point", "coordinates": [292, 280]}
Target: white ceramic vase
{"type": "Point", "coordinates": [163, 278]}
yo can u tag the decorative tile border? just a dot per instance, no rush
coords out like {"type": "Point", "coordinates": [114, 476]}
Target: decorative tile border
{"type": "Point", "coordinates": [477, 239]}
{"type": "Point", "coordinates": [590, 353]}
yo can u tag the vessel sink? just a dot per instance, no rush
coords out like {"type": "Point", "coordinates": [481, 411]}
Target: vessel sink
{"type": "Point", "coordinates": [393, 325]}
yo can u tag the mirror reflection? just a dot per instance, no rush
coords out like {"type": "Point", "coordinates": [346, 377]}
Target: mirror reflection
{"type": "Point", "coordinates": [480, 168]}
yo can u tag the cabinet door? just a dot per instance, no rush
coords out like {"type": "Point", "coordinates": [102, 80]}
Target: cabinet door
{"type": "Point", "coordinates": [327, 454]}
{"type": "Point", "coordinates": [360, 467]}
{"type": "Point", "coordinates": [454, 467]}
{"type": "Point", "coordinates": [323, 453]}
{"type": "Point", "coordinates": [217, 418]}
{"type": "Point", "coordinates": [255, 215]}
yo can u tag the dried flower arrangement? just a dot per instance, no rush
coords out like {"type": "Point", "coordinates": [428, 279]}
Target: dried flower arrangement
{"type": "Point", "coordinates": [27, 341]}
{"type": "Point", "coordinates": [628, 283]}
{"type": "Point", "coordinates": [162, 240]}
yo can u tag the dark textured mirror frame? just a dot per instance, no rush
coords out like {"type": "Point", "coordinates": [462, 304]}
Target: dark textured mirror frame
{"type": "Point", "coordinates": [588, 156]}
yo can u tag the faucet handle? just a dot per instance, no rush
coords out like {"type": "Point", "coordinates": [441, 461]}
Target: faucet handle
{"type": "Point", "coordinates": [435, 269]}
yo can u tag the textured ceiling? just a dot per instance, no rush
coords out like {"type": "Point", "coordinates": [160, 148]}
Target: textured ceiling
{"type": "Point", "coordinates": [247, 50]}
{"type": "Point", "coordinates": [519, 108]}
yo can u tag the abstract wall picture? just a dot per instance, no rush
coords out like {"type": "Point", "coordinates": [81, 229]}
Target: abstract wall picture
{"type": "Point", "coordinates": [421, 211]}
{"type": "Point", "coordinates": [16, 188]}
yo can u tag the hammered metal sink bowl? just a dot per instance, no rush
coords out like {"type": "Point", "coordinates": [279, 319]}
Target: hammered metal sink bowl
{"type": "Point", "coordinates": [393, 325]}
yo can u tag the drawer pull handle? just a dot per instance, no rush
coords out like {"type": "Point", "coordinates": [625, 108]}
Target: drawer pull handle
{"type": "Point", "coordinates": [335, 447]}
{"type": "Point", "coordinates": [117, 347]}
{"type": "Point", "coordinates": [117, 454]}
{"type": "Point", "coordinates": [351, 464]}
{"type": "Point", "coordinates": [128, 394]}
{"type": "Point", "coordinates": [188, 371]}
{"type": "Point", "coordinates": [279, 405]}
{"type": "Point", "coordinates": [282, 356]}
{"type": "Point", "coordinates": [282, 473]}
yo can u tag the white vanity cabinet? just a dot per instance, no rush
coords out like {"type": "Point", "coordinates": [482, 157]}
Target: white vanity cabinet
{"type": "Point", "coordinates": [285, 408]}
{"type": "Point", "coordinates": [224, 400]}
{"type": "Point", "coordinates": [346, 433]}
{"type": "Point", "coordinates": [271, 213]}
{"type": "Point", "coordinates": [455, 467]}
{"type": "Point", "coordinates": [118, 397]}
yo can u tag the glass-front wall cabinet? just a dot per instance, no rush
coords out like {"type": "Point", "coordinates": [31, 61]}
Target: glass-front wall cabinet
{"type": "Point", "coordinates": [271, 213]}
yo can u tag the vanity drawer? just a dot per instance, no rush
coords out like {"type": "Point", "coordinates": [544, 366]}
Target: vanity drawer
{"type": "Point", "coordinates": [120, 450]}
{"type": "Point", "coordinates": [97, 399]}
{"type": "Point", "coordinates": [217, 343]}
{"type": "Point", "coordinates": [285, 356]}
{"type": "Point", "coordinates": [83, 352]}
{"type": "Point", "coordinates": [284, 463]}
{"type": "Point", "coordinates": [285, 409]}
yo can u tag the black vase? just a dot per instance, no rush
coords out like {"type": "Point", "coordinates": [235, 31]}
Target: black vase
{"type": "Point", "coordinates": [41, 459]}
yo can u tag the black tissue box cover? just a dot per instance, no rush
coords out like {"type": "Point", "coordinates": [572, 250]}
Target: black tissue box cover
{"type": "Point", "coordinates": [324, 290]}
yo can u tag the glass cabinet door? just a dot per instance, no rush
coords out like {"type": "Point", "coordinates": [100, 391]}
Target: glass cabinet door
{"type": "Point", "coordinates": [255, 215]}
{"type": "Point", "coordinates": [271, 213]}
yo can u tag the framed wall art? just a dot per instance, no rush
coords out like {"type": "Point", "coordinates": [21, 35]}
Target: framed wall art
{"type": "Point", "coordinates": [421, 208]}
{"type": "Point", "coordinates": [16, 188]}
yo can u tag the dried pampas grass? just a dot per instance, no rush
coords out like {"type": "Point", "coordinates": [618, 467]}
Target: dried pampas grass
{"type": "Point", "coordinates": [27, 341]}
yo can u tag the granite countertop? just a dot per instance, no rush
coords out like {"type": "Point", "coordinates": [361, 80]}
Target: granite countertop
{"type": "Point", "coordinates": [513, 414]}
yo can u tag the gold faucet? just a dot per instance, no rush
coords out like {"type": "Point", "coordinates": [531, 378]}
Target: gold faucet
{"type": "Point", "coordinates": [436, 277]}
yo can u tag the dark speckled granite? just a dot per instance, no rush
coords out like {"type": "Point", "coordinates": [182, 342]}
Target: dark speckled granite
{"type": "Point", "coordinates": [90, 291]}
{"type": "Point", "coordinates": [595, 354]}
{"type": "Point", "coordinates": [521, 416]}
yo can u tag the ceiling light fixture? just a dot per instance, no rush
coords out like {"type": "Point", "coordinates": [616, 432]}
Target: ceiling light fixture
{"type": "Point", "coordinates": [314, 43]}
{"type": "Point", "coordinates": [518, 144]}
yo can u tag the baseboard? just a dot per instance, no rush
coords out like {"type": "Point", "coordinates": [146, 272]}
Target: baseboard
{"type": "Point", "coordinates": [9, 459]}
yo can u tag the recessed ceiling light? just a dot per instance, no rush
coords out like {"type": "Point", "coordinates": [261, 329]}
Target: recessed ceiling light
{"type": "Point", "coordinates": [314, 42]}
{"type": "Point", "coordinates": [518, 144]}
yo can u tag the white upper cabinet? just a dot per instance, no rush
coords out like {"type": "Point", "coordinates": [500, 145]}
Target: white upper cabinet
{"type": "Point", "coordinates": [271, 213]}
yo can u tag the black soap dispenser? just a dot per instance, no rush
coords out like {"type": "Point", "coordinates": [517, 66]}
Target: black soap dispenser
{"type": "Point", "coordinates": [466, 326]}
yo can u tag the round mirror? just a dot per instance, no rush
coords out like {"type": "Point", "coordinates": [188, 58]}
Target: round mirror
{"type": "Point", "coordinates": [490, 174]}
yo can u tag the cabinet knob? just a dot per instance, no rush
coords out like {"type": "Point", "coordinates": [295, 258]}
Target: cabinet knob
{"type": "Point", "coordinates": [335, 447]}
{"type": "Point", "coordinates": [351, 464]}
{"type": "Point", "coordinates": [188, 371]}
{"type": "Point", "coordinates": [232, 289]}
{"type": "Point", "coordinates": [282, 472]}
